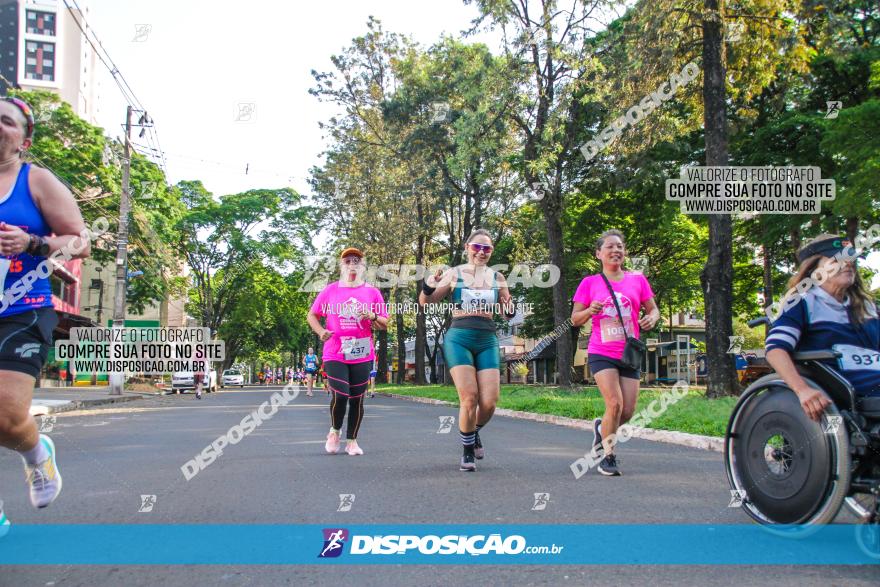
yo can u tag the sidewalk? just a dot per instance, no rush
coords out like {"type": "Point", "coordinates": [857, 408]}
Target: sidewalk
{"type": "Point", "coordinates": [51, 400]}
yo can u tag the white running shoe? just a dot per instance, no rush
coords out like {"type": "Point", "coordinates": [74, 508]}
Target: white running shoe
{"type": "Point", "coordinates": [332, 444]}
{"type": "Point", "coordinates": [353, 449]}
{"type": "Point", "coordinates": [43, 478]}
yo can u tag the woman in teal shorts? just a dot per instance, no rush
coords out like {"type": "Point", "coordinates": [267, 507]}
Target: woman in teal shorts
{"type": "Point", "coordinates": [471, 345]}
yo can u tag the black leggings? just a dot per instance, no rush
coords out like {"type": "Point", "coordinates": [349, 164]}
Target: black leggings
{"type": "Point", "coordinates": [348, 382]}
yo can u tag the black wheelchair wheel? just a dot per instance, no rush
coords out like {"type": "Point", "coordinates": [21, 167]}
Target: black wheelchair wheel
{"type": "Point", "coordinates": [790, 469]}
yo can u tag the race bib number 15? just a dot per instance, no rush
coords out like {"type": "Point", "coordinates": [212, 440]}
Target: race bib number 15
{"type": "Point", "coordinates": [857, 358]}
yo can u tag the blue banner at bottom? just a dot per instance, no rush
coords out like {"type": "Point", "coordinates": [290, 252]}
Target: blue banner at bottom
{"type": "Point", "coordinates": [522, 544]}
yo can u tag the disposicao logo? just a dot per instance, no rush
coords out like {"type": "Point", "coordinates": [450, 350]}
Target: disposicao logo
{"type": "Point", "coordinates": [334, 540]}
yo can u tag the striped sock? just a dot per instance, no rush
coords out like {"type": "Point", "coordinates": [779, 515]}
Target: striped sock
{"type": "Point", "coordinates": [479, 426]}
{"type": "Point", "coordinates": [467, 438]}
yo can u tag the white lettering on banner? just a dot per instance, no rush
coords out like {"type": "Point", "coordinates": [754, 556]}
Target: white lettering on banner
{"type": "Point", "coordinates": [443, 545]}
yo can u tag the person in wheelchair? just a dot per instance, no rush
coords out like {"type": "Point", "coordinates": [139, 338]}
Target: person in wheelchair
{"type": "Point", "coordinates": [838, 314]}
{"type": "Point", "coordinates": [805, 440]}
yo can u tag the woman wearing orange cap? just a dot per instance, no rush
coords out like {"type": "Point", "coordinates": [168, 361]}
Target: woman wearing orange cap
{"type": "Point", "coordinates": [351, 309]}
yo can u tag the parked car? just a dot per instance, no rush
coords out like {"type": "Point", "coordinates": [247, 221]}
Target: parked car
{"type": "Point", "coordinates": [232, 377]}
{"type": "Point", "coordinates": [184, 380]}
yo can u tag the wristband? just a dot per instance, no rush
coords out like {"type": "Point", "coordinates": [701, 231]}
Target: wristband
{"type": "Point", "coordinates": [32, 245]}
{"type": "Point", "coordinates": [427, 289]}
{"type": "Point", "coordinates": [37, 246]}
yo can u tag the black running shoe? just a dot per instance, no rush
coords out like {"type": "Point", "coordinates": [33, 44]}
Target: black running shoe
{"type": "Point", "coordinates": [478, 446]}
{"type": "Point", "coordinates": [608, 466]}
{"type": "Point", "coordinates": [467, 462]}
{"type": "Point", "coordinates": [597, 449]}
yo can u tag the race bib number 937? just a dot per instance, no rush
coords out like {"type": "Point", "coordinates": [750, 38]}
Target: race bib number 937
{"type": "Point", "coordinates": [855, 358]}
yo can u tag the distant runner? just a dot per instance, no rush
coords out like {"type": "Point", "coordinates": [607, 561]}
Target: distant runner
{"type": "Point", "coordinates": [311, 364]}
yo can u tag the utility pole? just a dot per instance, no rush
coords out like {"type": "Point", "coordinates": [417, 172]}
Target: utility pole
{"type": "Point", "coordinates": [118, 379]}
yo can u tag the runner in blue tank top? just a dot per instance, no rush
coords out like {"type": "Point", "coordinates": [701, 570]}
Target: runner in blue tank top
{"type": "Point", "coordinates": [38, 216]}
{"type": "Point", "coordinates": [310, 361]}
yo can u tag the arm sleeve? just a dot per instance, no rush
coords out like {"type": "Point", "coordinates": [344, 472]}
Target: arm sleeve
{"type": "Point", "coordinates": [786, 331]}
{"type": "Point", "coordinates": [582, 295]}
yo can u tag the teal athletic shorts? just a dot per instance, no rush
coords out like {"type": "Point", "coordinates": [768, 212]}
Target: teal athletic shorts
{"type": "Point", "coordinates": [469, 346]}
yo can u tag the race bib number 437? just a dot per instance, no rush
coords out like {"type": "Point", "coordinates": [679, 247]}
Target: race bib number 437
{"type": "Point", "coordinates": [355, 348]}
{"type": "Point", "coordinates": [855, 358]}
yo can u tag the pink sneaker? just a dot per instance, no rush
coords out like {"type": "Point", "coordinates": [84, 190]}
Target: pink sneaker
{"type": "Point", "coordinates": [332, 445]}
{"type": "Point", "coordinates": [353, 449]}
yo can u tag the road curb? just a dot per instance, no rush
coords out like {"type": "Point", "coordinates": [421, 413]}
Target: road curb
{"type": "Point", "coordinates": [80, 404]}
{"type": "Point", "coordinates": [699, 441]}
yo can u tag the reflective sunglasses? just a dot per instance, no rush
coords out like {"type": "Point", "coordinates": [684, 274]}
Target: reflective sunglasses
{"type": "Point", "coordinates": [477, 247]}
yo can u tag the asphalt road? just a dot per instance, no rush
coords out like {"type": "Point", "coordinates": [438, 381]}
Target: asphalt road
{"type": "Point", "coordinates": [280, 474]}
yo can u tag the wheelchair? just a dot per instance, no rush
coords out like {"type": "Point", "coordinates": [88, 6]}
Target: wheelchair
{"type": "Point", "coordinates": [790, 470]}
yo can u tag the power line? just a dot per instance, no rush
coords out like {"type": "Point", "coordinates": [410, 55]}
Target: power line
{"type": "Point", "coordinates": [89, 41]}
{"type": "Point", "coordinates": [115, 73]}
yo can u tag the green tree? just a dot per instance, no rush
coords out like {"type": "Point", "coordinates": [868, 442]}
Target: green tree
{"type": "Point", "coordinates": [221, 239]}
{"type": "Point", "coordinates": [89, 165]}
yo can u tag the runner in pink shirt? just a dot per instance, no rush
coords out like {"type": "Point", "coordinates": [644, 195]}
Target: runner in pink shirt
{"type": "Point", "coordinates": [618, 384]}
{"type": "Point", "coordinates": [351, 309]}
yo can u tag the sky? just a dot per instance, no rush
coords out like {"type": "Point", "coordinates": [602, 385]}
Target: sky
{"type": "Point", "coordinates": [228, 87]}
{"type": "Point", "coordinates": [227, 83]}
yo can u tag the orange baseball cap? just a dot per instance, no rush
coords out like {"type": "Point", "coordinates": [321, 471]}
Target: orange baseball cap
{"type": "Point", "coordinates": [351, 251]}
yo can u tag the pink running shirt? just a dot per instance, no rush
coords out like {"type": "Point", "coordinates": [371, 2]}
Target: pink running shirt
{"type": "Point", "coordinates": [607, 337]}
{"type": "Point", "coordinates": [352, 340]}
